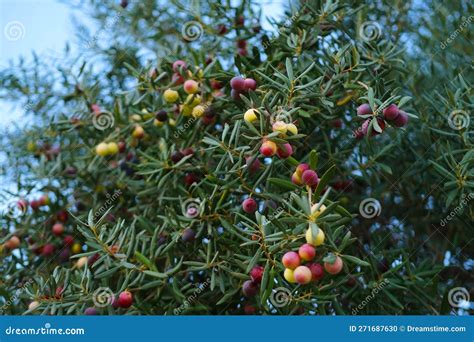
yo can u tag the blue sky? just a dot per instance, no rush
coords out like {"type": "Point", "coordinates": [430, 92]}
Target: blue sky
{"type": "Point", "coordinates": [44, 26]}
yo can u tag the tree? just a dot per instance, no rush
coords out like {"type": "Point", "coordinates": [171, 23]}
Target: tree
{"type": "Point", "coordinates": [205, 148]}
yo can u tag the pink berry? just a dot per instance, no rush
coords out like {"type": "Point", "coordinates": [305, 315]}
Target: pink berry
{"type": "Point", "coordinates": [307, 252]}
{"type": "Point", "coordinates": [249, 288]}
{"type": "Point", "coordinates": [302, 275]}
{"type": "Point", "coordinates": [237, 83]}
{"type": "Point", "coordinates": [249, 205]}
{"type": "Point", "coordinates": [302, 168]}
{"type": "Point", "coordinates": [364, 109]}
{"type": "Point", "coordinates": [178, 65]}
{"type": "Point", "coordinates": [310, 177]}
{"type": "Point", "coordinates": [125, 299]}
{"type": "Point", "coordinates": [401, 120]}
{"type": "Point", "coordinates": [291, 260]}
{"type": "Point", "coordinates": [256, 274]}
{"type": "Point", "coordinates": [250, 84]}
{"type": "Point", "coordinates": [391, 112]}
{"type": "Point", "coordinates": [285, 151]}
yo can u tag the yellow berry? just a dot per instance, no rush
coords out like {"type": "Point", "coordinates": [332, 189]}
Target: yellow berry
{"type": "Point", "coordinates": [170, 95]}
{"type": "Point", "coordinates": [193, 100]}
{"type": "Point", "coordinates": [102, 149]}
{"type": "Point", "coordinates": [76, 248]}
{"type": "Point", "coordinates": [33, 305]}
{"type": "Point", "coordinates": [172, 122]}
{"type": "Point", "coordinates": [158, 123]}
{"type": "Point", "coordinates": [31, 146]}
{"type": "Point", "coordinates": [198, 111]}
{"type": "Point", "coordinates": [138, 132]}
{"type": "Point", "coordinates": [136, 118]}
{"type": "Point", "coordinates": [289, 275]}
{"type": "Point", "coordinates": [250, 115]}
{"type": "Point", "coordinates": [112, 148]}
{"type": "Point", "coordinates": [314, 213]}
{"type": "Point", "coordinates": [319, 240]}
{"type": "Point", "coordinates": [280, 126]}
{"type": "Point", "coordinates": [292, 128]}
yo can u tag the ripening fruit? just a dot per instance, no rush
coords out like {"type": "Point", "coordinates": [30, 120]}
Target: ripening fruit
{"type": "Point", "coordinates": [292, 128]}
{"type": "Point", "coordinates": [256, 273]}
{"type": "Point", "coordinates": [33, 305]}
{"type": "Point", "coordinates": [48, 250]}
{"type": "Point", "coordinates": [301, 168]}
{"type": "Point", "coordinates": [198, 111]}
{"type": "Point", "coordinates": [335, 267]}
{"type": "Point", "coordinates": [296, 178]}
{"type": "Point", "coordinates": [237, 83]}
{"type": "Point", "coordinates": [364, 109]}
{"type": "Point", "coordinates": [291, 260]}
{"type": "Point", "coordinates": [317, 271]}
{"type": "Point", "coordinates": [289, 275]}
{"type": "Point", "coordinates": [310, 177]}
{"type": "Point", "coordinates": [280, 126]}
{"type": "Point", "coordinates": [401, 120]}
{"type": "Point", "coordinates": [68, 240]}
{"type": "Point", "coordinates": [138, 132]}
{"type": "Point", "coordinates": [307, 252]}
{"type": "Point", "coordinates": [190, 87]}
{"type": "Point", "coordinates": [249, 206]}
{"type": "Point", "coordinates": [250, 115]}
{"type": "Point", "coordinates": [43, 200]}
{"type": "Point", "coordinates": [81, 262]}
{"type": "Point", "coordinates": [161, 116]}
{"type": "Point", "coordinates": [102, 149]}
{"type": "Point", "coordinates": [13, 243]}
{"type": "Point", "coordinates": [91, 312]}
{"type": "Point", "coordinates": [391, 112]}
{"type": "Point", "coordinates": [179, 64]}
{"type": "Point", "coordinates": [58, 229]}
{"type": "Point", "coordinates": [253, 164]}
{"type": "Point", "coordinates": [315, 213]}
{"type": "Point", "coordinates": [189, 235]}
{"type": "Point", "coordinates": [170, 95]}
{"type": "Point", "coordinates": [249, 288]}
{"type": "Point", "coordinates": [285, 150]}
{"type": "Point", "coordinates": [302, 275]}
{"type": "Point", "coordinates": [315, 241]}
{"type": "Point", "coordinates": [268, 148]}
{"type": "Point", "coordinates": [125, 299]}
{"type": "Point", "coordinates": [76, 248]}
{"type": "Point", "coordinates": [250, 84]}
{"type": "Point", "coordinates": [112, 148]}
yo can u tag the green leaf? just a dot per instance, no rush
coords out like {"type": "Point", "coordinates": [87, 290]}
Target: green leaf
{"type": "Point", "coordinates": [355, 260]}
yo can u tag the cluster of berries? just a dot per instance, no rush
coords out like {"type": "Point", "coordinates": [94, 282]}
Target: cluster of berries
{"type": "Point", "coordinates": [305, 176]}
{"type": "Point", "coordinates": [250, 287]}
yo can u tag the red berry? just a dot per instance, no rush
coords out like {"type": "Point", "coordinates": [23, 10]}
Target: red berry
{"type": "Point", "coordinates": [241, 43]}
{"type": "Point", "coordinates": [48, 250]}
{"type": "Point", "coordinates": [62, 216]}
{"type": "Point", "coordinates": [317, 271]}
{"type": "Point", "coordinates": [249, 288]}
{"type": "Point", "coordinates": [364, 109]}
{"type": "Point", "coordinates": [285, 151]}
{"type": "Point", "coordinates": [253, 164]}
{"type": "Point", "coordinates": [190, 179]}
{"type": "Point", "coordinates": [92, 259]}
{"type": "Point", "coordinates": [216, 85]}
{"type": "Point", "coordinates": [391, 112]}
{"type": "Point", "coordinates": [125, 299]}
{"type": "Point", "coordinates": [242, 52]}
{"type": "Point", "coordinates": [239, 21]}
{"type": "Point", "coordinates": [401, 120]}
{"type": "Point", "coordinates": [221, 29]}
{"type": "Point", "coordinates": [268, 148]}
{"type": "Point", "coordinates": [237, 83]}
{"type": "Point", "coordinates": [310, 177]}
{"type": "Point", "coordinates": [58, 229]}
{"type": "Point", "coordinates": [249, 205]}
{"type": "Point", "coordinates": [177, 79]}
{"type": "Point", "coordinates": [291, 260]}
{"type": "Point", "coordinates": [68, 240]}
{"type": "Point", "coordinates": [176, 157]}
{"type": "Point", "coordinates": [256, 274]}
{"type": "Point", "coordinates": [34, 204]}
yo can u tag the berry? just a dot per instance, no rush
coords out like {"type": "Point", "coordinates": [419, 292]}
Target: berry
{"type": "Point", "coordinates": [48, 250]}
{"type": "Point", "coordinates": [191, 87]}
{"type": "Point", "coordinates": [170, 95]}
{"type": "Point", "coordinates": [122, 146]}
{"type": "Point", "coordinates": [253, 164]}
{"type": "Point", "coordinates": [301, 168]}
{"type": "Point", "coordinates": [401, 120]}
{"type": "Point", "coordinates": [292, 128]}
{"type": "Point", "coordinates": [237, 83]}
{"type": "Point", "coordinates": [176, 157]}
{"type": "Point", "coordinates": [249, 205]}
{"type": "Point", "coordinates": [34, 204]}
{"type": "Point", "coordinates": [235, 94]}
{"type": "Point", "coordinates": [256, 273]}
{"type": "Point", "coordinates": [280, 126]}
{"type": "Point", "coordinates": [190, 179]}
{"type": "Point", "coordinates": [179, 64]}
{"type": "Point", "coordinates": [302, 275]}
{"type": "Point", "coordinates": [289, 275]}
{"type": "Point", "coordinates": [242, 52]}
{"type": "Point", "coordinates": [188, 235]}
{"type": "Point", "coordinates": [337, 123]}
{"type": "Point", "coordinates": [188, 151]}
{"type": "Point", "coordinates": [221, 29]}
{"type": "Point", "coordinates": [138, 132]}
{"type": "Point", "coordinates": [13, 243]}
{"type": "Point", "coordinates": [307, 252]}
{"type": "Point", "coordinates": [161, 116]}
{"type": "Point", "coordinates": [239, 21]}
{"type": "Point", "coordinates": [58, 229]}
{"type": "Point", "coordinates": [177, 79]}
{"type": "Point", "coordinates": [76, 248]}
{"type": "Point", "coordinates": [33, 305]}
{"type": "Point", "coordinates": [364, 109]}
{"type": "Point", "coordinates": [64, 255]}
{"type": "Point", "coordinates": [310, 177]}
{"type": "Point", "coordinates": [216, 85]}
{"type": "Point", "coordinates": [291, 260]}
{"type": "Point", "coordinates": [22, 205]}
{"type": "Point", "coordinates": [68, 240]}
{"type": "Point", "coordinates": [102, 149]}
{"type": "Point", "coordinates": [198, 111]}
{"type": "Point", "coordinates": [241, 43]}
{"type": "Point", "coordinates": [317, 271]}
{"type": "Point", "coordinates": [91, 312]}
{"type": "Point", "coordinates": [125, 299]}
{"type": "Point", "coordinates": [285, 151]}
{"type": "Point", "coordinates": [334, 267]}
{"type": "Point", "coordinates": [249, 288]}
{"type": "Point", "coordinates": [112, 148]}
{"type": "Point", "coordinates": [250, 115]}
{"type": "Point", "coordinates": [268, 148]}
{"type": "Point", "coordinates": [315, 241]}
{"type": "Point", "coordinates": [250, 84]}
{"type": "Point", "coordinates": [391, 112]}
{"type": "Point", "coordinates": [296, 179]}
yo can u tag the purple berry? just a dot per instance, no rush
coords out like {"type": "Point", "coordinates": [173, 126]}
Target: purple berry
{"type": "Point", "coordinates": [235, 94]}
{"type": "Point", "coordinates": [391, 112]}
{"type": "Point", "coordinates": [237, 83]}
{"type": "Point", "coordinates": [91, 312]}
{"type": "Point", "coordinates": [364, 109]}
{"type": "Point", "coordinates": [250, 83]}
{"type": "Point", "coordinates": [310, 177]}
{"type": "Point", "coordinates": [188, 235]}
{"type": "Point", "coordinates": [401, 120]}
{"type": "Point", "coordinates": [250, 288]}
